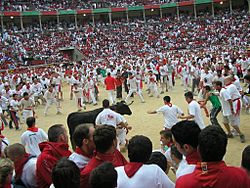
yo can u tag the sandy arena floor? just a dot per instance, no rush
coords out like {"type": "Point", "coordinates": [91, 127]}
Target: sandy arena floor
{"type": "Point", "coordinates": [142, 123]}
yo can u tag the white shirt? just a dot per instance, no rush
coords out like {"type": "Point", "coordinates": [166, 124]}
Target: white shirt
{"type": "Point", "coordinates": [224, 96]}
{"type": "Point", "coordinates": [14, 104]}
{"type": "Point", "coordinates": [108, 117]}
{"type": "Point", "coordinates": [29, 173]}
{"type": "Point", "coordinates": [133, 83]}
{"type": "Point", "coordinates": [184, 168]}
{"type": "Point", "coordinates": [80, 160]}
{"type": "Point", "coordinates": [207, 79]}
{"type": "Point", "coordinates": [170, 115]}
{"type": "Point", "coordinates": [4, 102]}
{"type": "Point", "coordinates": [50, 95]}
{"type": "Point", "coordinates": [148, 176]}
{"type": "Point", "coordinates": [235, 94]}
{"type": "Point", "coordinates": [194, 110]}
{"type": "Point", "coordinates": [31, 140]}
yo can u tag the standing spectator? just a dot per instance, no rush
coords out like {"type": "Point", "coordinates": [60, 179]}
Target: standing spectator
{"type": "Point", "coordinates": [83, 139]}
{"type": "Point", "coordinates": [185, 135]}
{"type": "Point", "coordinates": [130, 175]}
{"type": "Point", "coordinates": [6, 172]}
{"type": "Point", "coordinates": [33, 137]}
{"type": "Point", "coordinates": [110, 83]}
{"type": "Point", "coordinates": [51, 152]}
{"type": "Point", "coordinates": [25, 165]}
{"type": "Point", "coordinates": [104, 176]}
{"type": "Point", "coordinates": [212, 148]}
{"type": "Point", "coordinates": [245, 160]}
{"type": "Point", "coordinates": [106, 144]}
{"type": "Point", "coordinates": [65, 174]}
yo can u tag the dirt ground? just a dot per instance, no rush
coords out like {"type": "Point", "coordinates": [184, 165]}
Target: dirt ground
{"type": "Point", "coordinates": [142, 123]}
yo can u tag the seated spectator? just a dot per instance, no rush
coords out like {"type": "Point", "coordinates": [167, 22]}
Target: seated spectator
{"type": "Point", "coordinates": [104, 176]}
{"type": "Point", "coordinates": [185, 135]}
{"type": "Point", "coordinates": [180, 164]}
{"type": "Point", "coordinates": [83, 139]}
{"type": "Point", "coordinates": [51, 151]}
{"type": "Point", "coordinates": [212, 171]}
{"type": "Point", "coordinates": [33, 137]}
{"type": "Point", "coordinates": [25, 165]}
{"type": "Point", "coordinates": [245, 161]}
{"type": "Point", "coordinates": [65, 174]}
{"type": "Point", "coordinates": [159, 159]}
{"type": "Point", "coordinates": [132, 174]}
{"type": "Point", "coordinates": [6, 172]}
{"type": "Point", "coordinates": [106, 143]}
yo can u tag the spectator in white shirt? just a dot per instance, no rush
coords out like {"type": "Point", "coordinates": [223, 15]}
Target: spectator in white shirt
{"type": "Point", "coordinates": [180, 165]}
{"type": "Point", "coordinates": [25, 165]}
{"type": "Point", "coordinates": [83, 139]}
{"type": "Point", "coordinates": [14, 107]}
{"type": "Point", "coordinates": [132, 174]}
{"type": "Point", "coordinates": [33, 136]}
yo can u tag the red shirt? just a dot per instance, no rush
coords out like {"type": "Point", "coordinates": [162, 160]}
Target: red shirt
{"type": "Point", "coordinates": [214, 175]}
{"type": "Point", "coordinates": [51, 153]}
{"type": "Point", "coordinates": [116, 159]}
{"type": "Point", "coordinates": [110, 83]}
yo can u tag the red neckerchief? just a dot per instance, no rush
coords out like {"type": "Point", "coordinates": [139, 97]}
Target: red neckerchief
{"type": "Point", "coordinates": [131, 168]}
{"type": "Point", "coordinates": [80, 152]}
{"type": "Point", "coordinates": [33, 129]}
{"type": "Point", "coordinates": [169, 104]}
{"type": "Point", "coordinates": [228, 84]}
{"type": "Point", "coordinates": [1, 136]}
{"type": "Point", "coordinates": [7, 185]}
{"type": "Point", "coordinates": [170, 144]}
{"type": "Point", "coordinates": [105, 157]}
{"type": "Point", "coordinates": [19, 166]}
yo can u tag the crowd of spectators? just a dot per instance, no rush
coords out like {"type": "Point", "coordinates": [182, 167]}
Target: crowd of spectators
{"type": "Point", "coordinates": [122, 40]}
{"type": "Point", "coordinates": [44, 5]}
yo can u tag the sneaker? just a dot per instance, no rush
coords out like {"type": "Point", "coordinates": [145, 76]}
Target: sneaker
{"type": "Point", "coordinates": [59, 113]}
{"type": "Point", "coordinates": [18, 129]}
{"type": "Point", "coordinates": [142, 101]}
{"type": "Point", "coordinates": [162, 92]}
{"type": "Point", "coordinates": [95, 104]}
{"type": "Point", "coordinates": [242, 138]}
{"type": "Point", "coordinates": [230, 135]}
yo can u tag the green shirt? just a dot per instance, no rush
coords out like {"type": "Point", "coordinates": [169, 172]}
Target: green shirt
{"type": "Point", "coordinates": [214, 100]}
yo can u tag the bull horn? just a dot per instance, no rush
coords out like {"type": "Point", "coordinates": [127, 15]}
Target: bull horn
{"type": "Point", "coordinates": [131, 103]}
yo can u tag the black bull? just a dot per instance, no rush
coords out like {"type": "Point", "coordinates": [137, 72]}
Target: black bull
{"type": "Point", "coordinates": [76, 118]}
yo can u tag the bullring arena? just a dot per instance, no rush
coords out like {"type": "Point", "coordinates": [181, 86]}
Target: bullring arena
{"type": "Point", "coordinates": [72, 42]}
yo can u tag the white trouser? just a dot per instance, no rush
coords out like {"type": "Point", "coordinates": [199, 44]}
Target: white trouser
{"type": "Point", "coordinates": [131, 91]}
{"type": "Point", "coordinates": [111, 96]}
{"type": "Point", "coordinates": [164, 82]}
{"type": "Point", "coordinates": [185, 82]}
{"type": "Point", "coordinates": [49, 103]}
{"type": "Point", "coordinates": [154, 90]}
{"type": "Point", "coordinates": [26, 114]}
{"type": "Point", "coordinates": [121, 134]}
{"type": "Point", "coordinates": [170, 81]}
{"type": "Point", "coordinates": [92, 95]}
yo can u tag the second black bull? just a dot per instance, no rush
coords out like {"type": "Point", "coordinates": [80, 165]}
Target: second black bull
{"type": "Point", "coordinates": [76, 118]}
